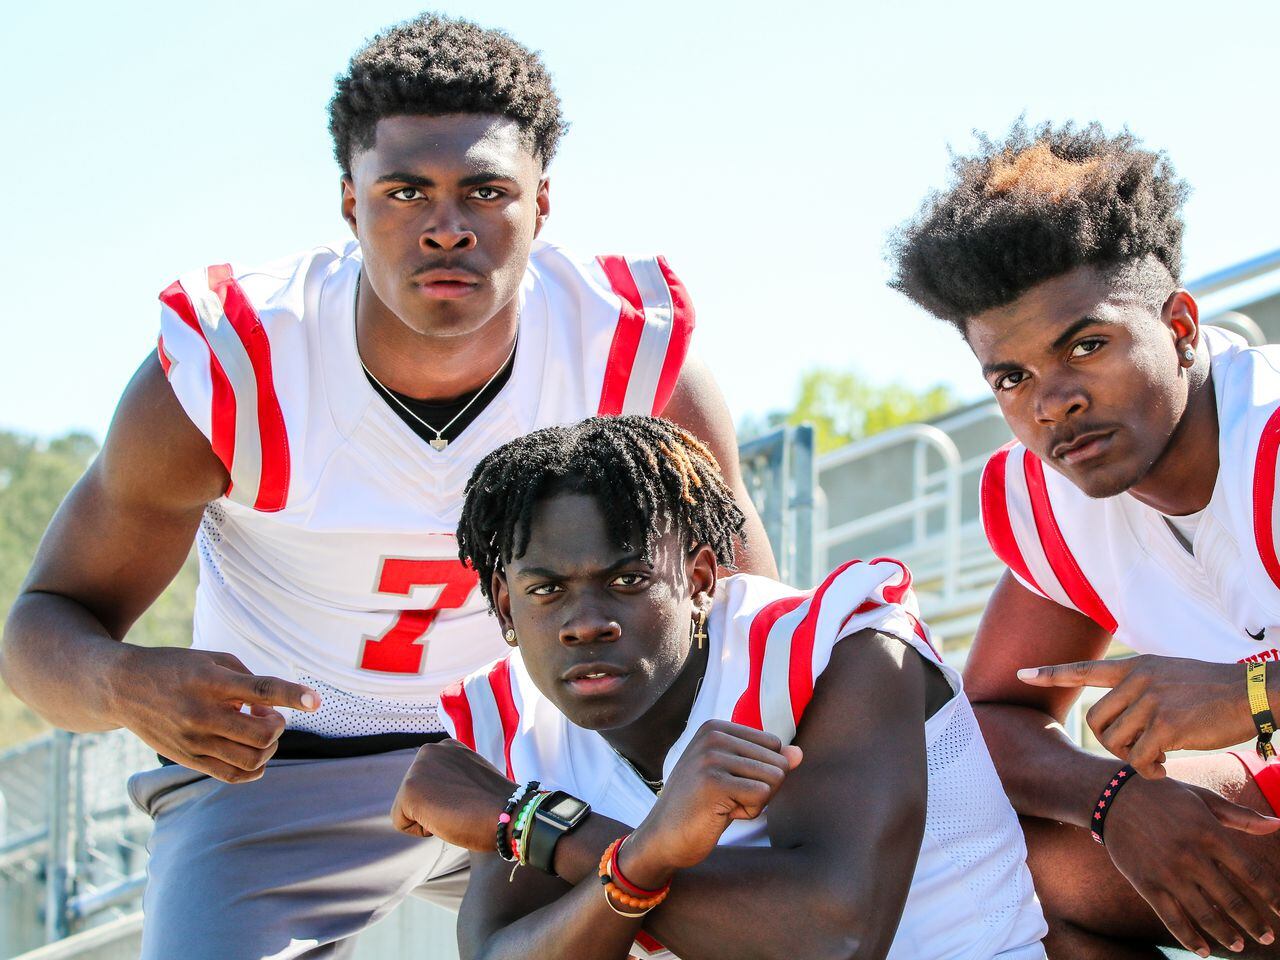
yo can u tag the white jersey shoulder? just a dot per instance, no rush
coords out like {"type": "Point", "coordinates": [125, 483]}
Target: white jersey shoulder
{"type": "Point", "coordinates": [1117, 562]}
{"type": "Point", "coordinates": [971, 894]}
{"type": "Point", "coordinates": [332, 556]}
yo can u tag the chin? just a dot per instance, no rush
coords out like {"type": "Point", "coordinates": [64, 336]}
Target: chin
{"type": "Point", "coordinates": [1106, 481]}
{"type": "Point", "coordinates": [456, 318]}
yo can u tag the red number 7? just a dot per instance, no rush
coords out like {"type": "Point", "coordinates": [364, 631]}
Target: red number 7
{"type": "Point", "coordinates": [399, 649]}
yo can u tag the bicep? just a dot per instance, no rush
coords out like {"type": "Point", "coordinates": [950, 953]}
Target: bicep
{"type": "Point", "coordinates": [860, 793]}
{"type": "Point", "coordinates": [495, 898]}
{"type": "Point", "coordinates": [1020, 629]}
{"type": "Point", "coordinates": [698, 405]}
{"type": "Point", "coordinates": [125, 528]}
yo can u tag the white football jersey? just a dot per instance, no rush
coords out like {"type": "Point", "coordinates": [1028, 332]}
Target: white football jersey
{"type": "Point", "coordinates": [971, 895]}
{"type": "Point", "coordinates": [1116, 561]}
{"type": "Point", "coordinates": [332, 559]}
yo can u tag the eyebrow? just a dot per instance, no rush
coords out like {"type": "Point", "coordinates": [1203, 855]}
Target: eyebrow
{"type": "Point", "coordinates": [545, 573]}
{"type": "Point", "coordinates": [1061, 341]}
{"type": "Point", "coordinates": [416, 180]}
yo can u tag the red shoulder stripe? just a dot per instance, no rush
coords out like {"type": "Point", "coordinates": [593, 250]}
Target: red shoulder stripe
{"type": "Point", "coordinates": [223, 416]}
{"type": "Point", "coordinates": [747, 709]}
{"type": "Point", "coordinates": [165, 362]}
{"type": "Point", "coordinates": [1264, 494]}
{"type": "Point", "coordinates": [800, 671]}
{"type": "Point", "coordinates": [626, 337]}
{"type": "Point", "coordinates": [273, 486]}
{"type": "Point", "coordinates": [895, 594]}
{"type": "Point", "coordinates": [995, 515]}
{"type": "Point", "coordinates": [454, 701]}
{"type": "Point", "coordinates": [682, 323]}
{"type": "Point", "coordinates": [1068, 572]}
{"type": "Point", "coordinates": [500, 684]}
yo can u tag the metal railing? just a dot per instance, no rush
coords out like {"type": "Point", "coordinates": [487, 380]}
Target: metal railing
{"type": "Point", "coordinates": [929, 492]}
{"type": "Point", "coordinates": [72, 847]}
{"type": "Point", "coordinates": [779, 472]}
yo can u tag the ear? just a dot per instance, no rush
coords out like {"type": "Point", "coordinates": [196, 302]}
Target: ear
{"type": "Point", "coordinates": [349, 204]}
{"type": "Point", "coordinates": [700, 568]}
{"type": "Point", "coordinates": [501, 600]}
{"type": "Point", "coordinates": [543, 202]}
{"type": "Point", "coordinates": [1181, 315]}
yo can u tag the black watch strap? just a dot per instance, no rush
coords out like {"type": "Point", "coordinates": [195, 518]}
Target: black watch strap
{"type": "Point", "coordinates": [545, 831]}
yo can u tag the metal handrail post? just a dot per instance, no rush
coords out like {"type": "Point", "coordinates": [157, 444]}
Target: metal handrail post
{"type": "Point", "coordinates": [57, 864]}
{"type": "Point", "coordinates": [803, 481]}
{"type": "Point", "coordinates": [951, 548]}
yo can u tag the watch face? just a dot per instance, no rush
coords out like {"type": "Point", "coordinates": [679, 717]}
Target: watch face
{"type": "Point", "coordinates": [564, 808]}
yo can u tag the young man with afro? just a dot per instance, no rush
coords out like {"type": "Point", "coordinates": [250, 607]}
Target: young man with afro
{"type": "Point", "coordinates": [1136, 506]}
{"type": "Point", "coordinates": [310, 423]}
{"type": "Point", "coordinates": [799, 770]}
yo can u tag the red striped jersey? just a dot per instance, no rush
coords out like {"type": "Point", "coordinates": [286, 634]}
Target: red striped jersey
{"type": "Point", "coordinates": [1116, 561]}
{"type": "Point", "coordinates": [332, 558]}
{"type": "Point", "coordinates": [971, 895]}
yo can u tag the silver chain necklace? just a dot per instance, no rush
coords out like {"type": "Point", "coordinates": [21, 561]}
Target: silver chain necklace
{"type": "Point", "coordinates": [656, 785]}
{"type": "Point", "coordinates": [438, 442]}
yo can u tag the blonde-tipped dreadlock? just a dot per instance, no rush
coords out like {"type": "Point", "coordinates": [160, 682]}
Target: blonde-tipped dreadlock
{"type": "Point", "coordinates": [648, 475]}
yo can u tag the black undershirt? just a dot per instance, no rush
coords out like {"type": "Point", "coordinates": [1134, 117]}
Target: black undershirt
{"type": "Point", "coordinates": [440, 412]}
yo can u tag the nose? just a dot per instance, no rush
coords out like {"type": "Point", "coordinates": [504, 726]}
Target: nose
{"type": "Point", "coordinates": [1060, 400]}
{"type": "Point", "coordinates": [588, 622]}
{"type": "Point", "coordinates": [447, 230]}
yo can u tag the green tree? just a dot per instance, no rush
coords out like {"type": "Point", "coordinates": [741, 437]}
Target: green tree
{"type": "Point", "coordinates": [843, 407]}
{"type": "Point", "coordinates": [34, 477]}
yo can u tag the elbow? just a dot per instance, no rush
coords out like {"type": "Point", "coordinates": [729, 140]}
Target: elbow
{"type": "Point", "coordinates": [859, 926]}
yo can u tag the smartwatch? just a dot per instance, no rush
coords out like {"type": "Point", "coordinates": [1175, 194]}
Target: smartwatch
{"type": "Point", "coordinates": [555, 816]}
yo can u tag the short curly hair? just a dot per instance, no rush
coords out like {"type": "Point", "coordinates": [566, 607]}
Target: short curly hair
{"type": "Point", "coordinates": [435, 65]}
{"type": "Point", "coordinates": [648, 475]}
{"type": "Point", "coordinates": [1032, 207]}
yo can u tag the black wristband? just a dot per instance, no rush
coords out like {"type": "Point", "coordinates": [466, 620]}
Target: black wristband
{"type": "Point", "coordinates": [1107, 798]}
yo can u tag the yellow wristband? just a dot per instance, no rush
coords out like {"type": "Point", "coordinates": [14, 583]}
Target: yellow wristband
{"type": "Point", "coordinates": [1260, 707]}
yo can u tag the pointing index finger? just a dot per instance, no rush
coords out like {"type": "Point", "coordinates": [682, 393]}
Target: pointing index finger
{"type": "Point", "coordinates": [273, 692]}
{"type": "Point", "coordinates": [1081, 673]}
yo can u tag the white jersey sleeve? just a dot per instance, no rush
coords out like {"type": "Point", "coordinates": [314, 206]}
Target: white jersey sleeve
{"type": "Point", "coordinates": [651, 337]}
{"type": "Point", "coordinates": [1023, 528]}
{"type": "Point", "coordinates": [790, 640]}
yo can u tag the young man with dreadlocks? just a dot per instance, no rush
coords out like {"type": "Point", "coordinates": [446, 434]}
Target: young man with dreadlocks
{"type": "Point", "coordinates": [800, 772]}
{"type": "Point", "coordinates": [1057, 255]}
{"type": "Point", "coordinates": [311, 424]}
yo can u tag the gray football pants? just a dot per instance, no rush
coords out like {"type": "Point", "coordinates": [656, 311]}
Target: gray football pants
{"type": "Point", "coordinates": [285, 867]}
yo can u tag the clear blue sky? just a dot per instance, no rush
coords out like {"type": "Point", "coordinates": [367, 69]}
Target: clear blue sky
{"type": "Point", "coordinates": [767, 149]}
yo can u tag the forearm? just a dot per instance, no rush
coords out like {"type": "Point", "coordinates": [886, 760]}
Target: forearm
{"type": "Point", "coordinates": [711, 912]}
{"type": "Point", "coordinates": [44, 629]}
{"type": "Point", "coordinates": [1044, 773]}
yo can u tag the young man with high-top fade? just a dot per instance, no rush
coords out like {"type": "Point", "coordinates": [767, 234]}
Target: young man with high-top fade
{"type": "Point", "coordinates": [1137, 505]}
{"type": "Point", "coordinates": [310, 423]}
{"type": "Point", "coordinates": [795, 774]}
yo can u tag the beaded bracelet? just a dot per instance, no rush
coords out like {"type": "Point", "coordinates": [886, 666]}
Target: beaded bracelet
{"type": "Point", "coordinates": [1107, 798]}
{"type": "Point", "coordinates": [1256, 684]}
{"type": "Point", "coordinates": [614, 890]}
{"type": "Point", "coordinates": [615, 871]}
{"type": "Point", "coordinates": [520, 829]}
{"type": "Point", "coordinates": [518, 796]}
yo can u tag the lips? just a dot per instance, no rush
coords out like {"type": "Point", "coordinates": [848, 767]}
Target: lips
{"type": "Point", "coordinates": [447, 284]}
{"type": "Point", "coordinates": [594, 679]}
{"type": "Point", "coordinates": [1082, 447]}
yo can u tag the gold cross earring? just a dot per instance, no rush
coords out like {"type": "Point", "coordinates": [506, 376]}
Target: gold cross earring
{"type": "Point", "coordinates": [698, 629]}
